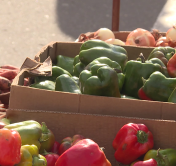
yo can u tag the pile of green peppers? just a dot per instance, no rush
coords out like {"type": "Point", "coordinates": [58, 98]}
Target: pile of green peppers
{"type": "Point", "coordinates": [103, 69]}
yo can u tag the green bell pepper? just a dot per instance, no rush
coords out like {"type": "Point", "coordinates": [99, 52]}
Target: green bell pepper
{"type": "Point", "coordinates": [99, 43]}
{"type": "Point", "coordinates": [30, 131]}
{"type": "Point", "coordinates": [47, 84]}
{"type": "Point", "coordinates": [164, 157]}
{"type": "Point", "coordinates": [100, 80]}
{"type": "Point", "coordinates": [113, 64]}
{"type": "Point", "coordinates": [104, 60]}
{"type": "Point", "coordinates": [134, 70]}
{"type": "Point", "coordinates": [66, 83]}
{"type": "Point", "coordinates": [76, 60]}
{"type": "Point", "coordinates": [163, 67]}
{"type": "Point", "coordinates": [156, 61]}
{"type": "Point", "coordinates": [76, 79]}
{"type": "Point", "coordinates": [78, 68]}
{"type": "Point", "coordinates": [163, 53]}
{"type": "Point", "coordinates": [121, 79]}
{"type": "Point", "coordinates": [57, 71]}
{"type": "Point", "coordinates": [65, 63]}
{"type": "Point", "coordinates": [172, 97]}
{"type": "Point", "coordinates": [113, 52]}
{"type": "Point", "coordinates": [158, 87]}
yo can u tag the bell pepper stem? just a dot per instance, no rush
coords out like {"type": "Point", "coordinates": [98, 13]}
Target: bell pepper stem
{"type": "Point", "coordinates": [143, 80]}
{"type": "Point", "coordinates": [142, 136]}
{"type": "Point", "coordinates": [44, 128]}
{"type": "Point", "coordinates": [141, 56]}
{"type": "Point", "coordinates": [164, 158]}
{"type": "Point", "coordinates": [44, 137]}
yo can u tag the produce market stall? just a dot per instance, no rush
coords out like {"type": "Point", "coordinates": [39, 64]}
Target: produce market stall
{"type": "Point", "coordinates": [107, 99]}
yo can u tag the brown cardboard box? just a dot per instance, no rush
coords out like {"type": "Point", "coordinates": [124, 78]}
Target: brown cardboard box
{"type": "Point", "coordinates": [36, 99]}
{"type": "Point", "coordinates": [101, 129]}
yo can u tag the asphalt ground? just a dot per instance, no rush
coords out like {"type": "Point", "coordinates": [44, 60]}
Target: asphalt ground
{"type": "Point", "coordinates": [27, 26]}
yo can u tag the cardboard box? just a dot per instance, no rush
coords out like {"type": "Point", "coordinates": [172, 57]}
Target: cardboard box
{"type": "Point", "coordinates": [101, 129]}
{"type": "Point", "coordinates": [36, 99]}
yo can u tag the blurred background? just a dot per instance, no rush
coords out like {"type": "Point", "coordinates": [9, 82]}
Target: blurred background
{"type": "Point", "coordinates": [27, 26]}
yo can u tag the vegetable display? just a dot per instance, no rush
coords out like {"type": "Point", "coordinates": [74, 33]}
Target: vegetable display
{"type": "Point", "coordinates": [18, 147]}
{"type": "Point", "coordinates": [133, 145]}
{"type": "Point", "coordinates": [100, 69]}
{"type": "Point", "coordinates": [103, 69]}
{"type": "Point", "coordinates": [137, 37]}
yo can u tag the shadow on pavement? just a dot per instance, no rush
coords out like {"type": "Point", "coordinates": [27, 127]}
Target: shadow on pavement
{"type": "Point", "coordinates": [139, 13]}
{"type": "Point", "coordinates": [79, 16]}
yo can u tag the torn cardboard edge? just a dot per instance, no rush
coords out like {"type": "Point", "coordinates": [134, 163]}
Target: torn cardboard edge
{"type": "Point", "coordinates": [38, 68]}
{"type": "Point", "coordinates": [100, 128]}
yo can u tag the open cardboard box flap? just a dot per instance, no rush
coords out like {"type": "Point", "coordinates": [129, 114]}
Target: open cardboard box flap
{"type": "Point", "coordinates": [23, 97]}
{"type": "Point", "coordinates": [101, 129]}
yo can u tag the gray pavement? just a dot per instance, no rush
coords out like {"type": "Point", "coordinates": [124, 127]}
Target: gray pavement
{"type": "Point", "coordinates": [26, 26]}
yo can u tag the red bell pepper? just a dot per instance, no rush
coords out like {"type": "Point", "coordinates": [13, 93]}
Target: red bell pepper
{"type": "Point", "coordinates": [171, 66]}
{"type": "Point", "coordinates": [51, 158]}
{"type": "Point", "coordinates": [142, 95]}
{"type": "Point", "coordinates": [84, 153]}
{"type": "Point", "coordinates": [131, 142]}
{"type": "Point", "coordinates": [68, 142]}
{"type": "Point", "coordinates": [10, 144]}
{"type": "Point", "coordinates": [55, 148]}
{"type": "Point", "coordinates": [150, 162]}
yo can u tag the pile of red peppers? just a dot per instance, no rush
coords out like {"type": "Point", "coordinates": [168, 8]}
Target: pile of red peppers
{"type": "Point", "coordinates": [133, 145]}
